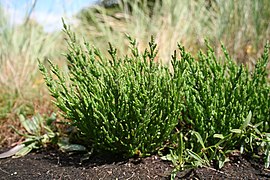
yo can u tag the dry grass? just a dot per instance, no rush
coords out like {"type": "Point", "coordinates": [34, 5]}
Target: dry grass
{"type": "Point", "coordinates": [243, 26]}
{"type": "Point", "coordinates": [22, 89]}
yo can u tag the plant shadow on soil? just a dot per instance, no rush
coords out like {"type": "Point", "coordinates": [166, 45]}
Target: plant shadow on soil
{"type": "Point", "coordinates": [51, 164]}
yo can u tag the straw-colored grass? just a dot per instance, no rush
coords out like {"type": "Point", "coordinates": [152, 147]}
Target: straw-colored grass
{"type": "Point", "coordinates": [20, 47]}
{"type": "Point", "coordinates": [20, 81]}
{"type": "Point", "coordinates": [243, 26]}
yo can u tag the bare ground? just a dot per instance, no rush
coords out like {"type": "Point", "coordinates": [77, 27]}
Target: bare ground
{"type": "Point", "coordinates": [52, 164]}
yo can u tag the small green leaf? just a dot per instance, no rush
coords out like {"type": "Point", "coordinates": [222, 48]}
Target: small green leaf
{"type": "Point", "coordinates": [167, 157]}
{"type": "Point", "coordinates": [237, 131]}
{"type": "Point", "coordinates": [173, 173]}
{"type": "Point", "coordinates": [219, 136]}
{"type": "Point", "coordinates": [221, 162]}
{"type": "Point", "coordinates": [25, 150]}
{"type": "Point", "coordinates": [267, 161]}
{"type": "Point", "coordinates": [72, 148]}
{"type": "Point", "coordinates": [25, 124]}
{"type": "Point", "coordinates": [247, 121]}
{"type": "Point", "coordinates": [199, 138]}
{"type": "Point", "coordinates": [194, 155]}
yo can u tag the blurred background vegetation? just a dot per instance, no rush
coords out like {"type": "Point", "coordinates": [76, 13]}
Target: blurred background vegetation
{"type": "Point", "coordinates": [243, 26]}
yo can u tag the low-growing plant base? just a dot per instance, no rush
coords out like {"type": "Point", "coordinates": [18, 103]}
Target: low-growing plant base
{"type": "Point", "coordinates": [51, 164]}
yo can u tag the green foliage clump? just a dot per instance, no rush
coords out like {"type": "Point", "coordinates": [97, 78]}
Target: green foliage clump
{"type": "Point", "coordinates": [131, 105]}
{"type": "Point", "coordinates": [124, 105]}
{"type": "Point", "coordinates": [226, 109]}
{"type": "Point", "coordinates": [220, 94]}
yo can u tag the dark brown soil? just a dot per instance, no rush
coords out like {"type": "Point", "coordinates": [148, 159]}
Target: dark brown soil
{"type": "Point", "coordinates": [51, 164]}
